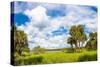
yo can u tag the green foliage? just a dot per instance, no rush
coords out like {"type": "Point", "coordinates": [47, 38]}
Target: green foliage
{"type": "Point", "coordinates": [56, 57]}
{"type": "Point", "coordinates": [26, 49]}
{"type": "Point", "coordinates": [93, 35]}
{"type": "Point", "coordinates": [62, 57]}
{"type": "Point", "coordinates": [25, 54]}
{"type": "Point", "coordinates": [88, 45]}
{"type": "Point", "coordinates": [92, 42]}
{"type": "Point", "coordinates": [87, 58]}
{"type": "Point", "coordinates": [77, 36]}
{"type": "Point", "coordinates": [20, 45]}
{"type": "Point", "coordinates": [33, 60]}
{"type": "Point", "coordinates": [20, 40]}
{"type": "Point", "coordinates": [29, 60]}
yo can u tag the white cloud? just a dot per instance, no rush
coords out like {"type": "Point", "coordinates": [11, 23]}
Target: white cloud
{"type": "Point", "coordinates": [41, 24]}
{"type": "Point", "coordinates": [38, 17]}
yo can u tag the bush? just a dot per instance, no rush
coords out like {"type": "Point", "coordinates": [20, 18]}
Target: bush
{"type": "Point", "coordinates": [88, 58]}
{"type": "Point", "coordinates": [71, 50]}
{"type": "Point", "coordinates": [29, 60]}
{"type": "Point", "coordinates": [64, 50]}
{"type": "Point", "coordinates": [37, 60]}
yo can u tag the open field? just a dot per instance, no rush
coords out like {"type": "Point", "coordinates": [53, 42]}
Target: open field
{"type": "Point", "coordinates": [57, 57]}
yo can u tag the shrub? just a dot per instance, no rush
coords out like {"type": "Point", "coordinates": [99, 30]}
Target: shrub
{"type": "Point", "coordinates": [71, 50]}
{"type": "Point", "coordinates": [64, 50]}
{"type": "Point", "coordinates": [29, 60]}
{"type": "Point", "coordinates": [88, 57]}
{"type": "Point", "coordinates": [37, 60]}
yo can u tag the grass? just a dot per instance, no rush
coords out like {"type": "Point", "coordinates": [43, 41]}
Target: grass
{"type": "Point", "coordinates": [58, 57]}
{"type": "Point", "coordinates": [61, 57]}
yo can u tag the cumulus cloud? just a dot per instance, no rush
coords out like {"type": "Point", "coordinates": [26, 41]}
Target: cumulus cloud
{"type": "Point", "coordinates": [38, 17]}
{"type": "Point", "coordinates": [41, 25]}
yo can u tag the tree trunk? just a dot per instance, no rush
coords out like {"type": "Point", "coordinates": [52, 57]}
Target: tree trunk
{"type": "Point", "coordinates": [79, 46]}
{"type": "Point", "coordinates": [72, 47]}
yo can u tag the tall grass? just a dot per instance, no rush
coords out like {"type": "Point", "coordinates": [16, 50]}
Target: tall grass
{"type": "Point", "coordinates": [57, 57]}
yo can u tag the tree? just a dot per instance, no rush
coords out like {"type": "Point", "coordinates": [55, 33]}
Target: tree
{"type": "Point", "coordinates": [82, 36]}
{"type": "Point", "coordinates": [73, 31]}
{"type": "Point", "coordinates": [19, 43]}
{"type": "Point", "coordinates": [93, 35]}
{"type": "Point", "coordinates": [92, 42]}
{"type": "Point", "coordinates": [20, 40]}
{"type": "Point", "coordinates": [13, 54]}
{"type": "Point", "coordinates": [77, 35]}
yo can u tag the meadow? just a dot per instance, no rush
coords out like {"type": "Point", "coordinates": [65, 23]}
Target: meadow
{"type": "Point", "coordinates": [56, 57]}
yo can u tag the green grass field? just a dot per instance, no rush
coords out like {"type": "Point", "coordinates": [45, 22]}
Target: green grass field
{"type": "Point", "coordinates": [57, 57]}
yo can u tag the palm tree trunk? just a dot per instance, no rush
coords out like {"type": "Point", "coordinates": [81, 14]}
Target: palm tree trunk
{"type": "Point", "coordinates": [79, 46]}
{"type": "Point", "coordinates": [72, 47]}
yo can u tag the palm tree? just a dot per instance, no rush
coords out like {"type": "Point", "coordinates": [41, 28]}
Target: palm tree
{"type": "Point", "coordinates": [20, 41]}
{"type": "Point", "coordinates": [78, 35]}
{"type": "Point", "coordinates": [73, 34]}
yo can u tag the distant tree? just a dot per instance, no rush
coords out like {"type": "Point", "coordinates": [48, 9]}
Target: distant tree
{"type": "Point", "coordinates": [38, 50]}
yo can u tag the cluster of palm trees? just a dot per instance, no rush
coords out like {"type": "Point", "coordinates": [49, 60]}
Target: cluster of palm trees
{"type": "Point", "coordinates": [78, 37]}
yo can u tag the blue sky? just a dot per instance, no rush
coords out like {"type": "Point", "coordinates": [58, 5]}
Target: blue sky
{"type": "Point", "coordinates": [48, 25]}
{"type": "Point", "coordinates": [21, 18]}
{"type": "Point", "coordinates": [59, 31]}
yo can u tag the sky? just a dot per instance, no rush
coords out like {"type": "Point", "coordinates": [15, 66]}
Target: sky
{"type": "Point", "coordinates": [47, 24]}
